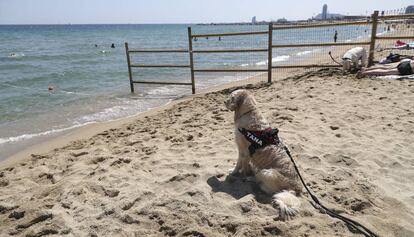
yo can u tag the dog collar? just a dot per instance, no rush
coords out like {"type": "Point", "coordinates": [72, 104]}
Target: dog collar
{"type": "Point", "coordinates": [245, 113]}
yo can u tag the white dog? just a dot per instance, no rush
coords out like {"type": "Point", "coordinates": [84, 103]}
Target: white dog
{"type": "Point", "coordinates": [351, 58]}
{"type": "Point", "coordinates": [272, 168]}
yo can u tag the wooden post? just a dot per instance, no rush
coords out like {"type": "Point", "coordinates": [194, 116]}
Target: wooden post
{"type": "Point", "coordinates": [190, 51]}
{"type": "Point", "coordinates": [269, 50]}
{"type": "Point", "coordinates": [129, 68]}
{"type": "Point", "coordinates": [373, 38]}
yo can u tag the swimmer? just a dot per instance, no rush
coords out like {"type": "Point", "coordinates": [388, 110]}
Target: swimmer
{"type": "Point", "coordinates": [50, 88]}
{"type": "Point", "coordinates": [113, 45]}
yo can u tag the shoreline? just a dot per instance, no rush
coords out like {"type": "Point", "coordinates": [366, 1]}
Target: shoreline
{"type": "Point", "coordinates": [89, 130]}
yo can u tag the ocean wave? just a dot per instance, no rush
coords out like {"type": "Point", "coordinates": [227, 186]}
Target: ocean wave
{"type": "Point", "coordinates": [33, 135]}
{"type": "Point", "coordinates": [304, 53]}
{"type": "Point", "coordinates": [275, 59]}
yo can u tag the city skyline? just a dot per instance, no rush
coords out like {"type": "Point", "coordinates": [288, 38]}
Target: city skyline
{"type": "Point", "coordinates": [179, 11]}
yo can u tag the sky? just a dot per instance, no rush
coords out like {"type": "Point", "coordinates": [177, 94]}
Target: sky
{"type": "Point", "coordinates": [178, 11]}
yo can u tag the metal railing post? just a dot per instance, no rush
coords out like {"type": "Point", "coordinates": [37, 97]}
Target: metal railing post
{"type": "Point", "coordinates": [129, 67]}
{"type": "Point", "coordinates": [269, 60]}
{"type": "Point", "coordinates": [190, 52]}
{"type": "Point", "coordinates": [373, 38]}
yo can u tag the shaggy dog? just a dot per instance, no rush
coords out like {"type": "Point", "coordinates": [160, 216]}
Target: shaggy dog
{"type": "Point", "coordinates": [271, 166]}
{"type": "Point", "coordinates": [351, 58]}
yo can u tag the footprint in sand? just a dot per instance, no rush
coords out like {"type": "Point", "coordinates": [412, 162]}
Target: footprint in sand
{"type": "Point", "coordinates": [191, 178]}
{"type": "Point", "coordinates": [340, 160]}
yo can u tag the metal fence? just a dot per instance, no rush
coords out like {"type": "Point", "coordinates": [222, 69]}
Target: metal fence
{"type": "Point", "coordinates": [373, 22]}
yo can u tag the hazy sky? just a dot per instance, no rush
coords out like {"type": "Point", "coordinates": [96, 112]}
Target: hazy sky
{"type": "Point", "coordinates": [177, 11]}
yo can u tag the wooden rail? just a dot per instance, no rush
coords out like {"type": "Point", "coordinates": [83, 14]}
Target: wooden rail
{"type": "Point", "coordinates": [158, 51]}
{"type": "Point", "coordinates": [131, 82]}
{"type": "Point", "coordinates": [230, 34]}
{"type": "Point", "coordinates": [231, 70]}
{"type": "Point", "coordinates": [321, 25]}
{"type": "Point", "coordinates": [373, 35]}
{"type": "Point", "coordinates": [228, 50]}
{"type": "Point", "coordinates": [394, 37]}
{"type": "Point", "coordinates": [306, 66]}
{"type": "Point", "coordinates": [158, 65]}
{"type": "Point", "coordinates": [163, 82]}
{"type": "Point", "coordinates": [319, 44]}
{"type": "Point", "coordinates": [392, 17]}
{"type": "Point", "coordinates": [190, 50]}
{"type": "Point", "coordinates": [270, 53]}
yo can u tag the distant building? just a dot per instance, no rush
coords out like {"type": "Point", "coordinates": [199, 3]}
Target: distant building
{"type": "Point", "coordinates": [409, 9]}
{"type": "Point", "coordinates": [324, 12]}
{"type": "Point", "coordinates": [254, 20]}
{"type": "Point", "coordinates": [282, 20]}
{"type": "Point", "coordinates": [330, 16]}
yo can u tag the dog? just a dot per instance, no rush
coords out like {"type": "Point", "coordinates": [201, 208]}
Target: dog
{"type": "Point", "coordinates": [351, 58]}
{"type": "Point", "coordinates": [272, 169]}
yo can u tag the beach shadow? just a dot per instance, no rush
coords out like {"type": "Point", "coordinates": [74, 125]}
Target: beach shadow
{"type": "Point", "coordinates": [238, 187]}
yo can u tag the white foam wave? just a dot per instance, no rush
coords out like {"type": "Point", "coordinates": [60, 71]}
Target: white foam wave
{"type": "Point", "coordinates": [160, 91]}
{"type": "Point", "coordinates": [304, 53]}
{"type": "Point", "coordinates": [33, 135]}
{"type": "Point", "coordinates": [280, 58]}
{"type": "Point", "coordinates": [275, 59]}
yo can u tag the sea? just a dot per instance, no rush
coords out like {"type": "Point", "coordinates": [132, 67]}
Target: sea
{"type": "Point", "coordinates": [54, 78]}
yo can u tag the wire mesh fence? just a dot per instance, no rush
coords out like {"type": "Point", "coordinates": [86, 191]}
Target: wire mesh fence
{"type": "Point", "coordinates": [218, 54]}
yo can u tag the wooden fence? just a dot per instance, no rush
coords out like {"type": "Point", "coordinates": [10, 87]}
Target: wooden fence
{"type": "Point", "coordinates": [373, 20]}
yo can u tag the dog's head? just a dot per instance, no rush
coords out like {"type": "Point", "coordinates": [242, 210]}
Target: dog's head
{"type": "Point", "coordinates": [346, 63]}
{"type": "Point", "coordinates": [240, 100]}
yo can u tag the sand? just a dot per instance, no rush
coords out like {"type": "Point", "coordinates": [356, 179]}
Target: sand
{"type": "Point", "coordinates": [166, 173]}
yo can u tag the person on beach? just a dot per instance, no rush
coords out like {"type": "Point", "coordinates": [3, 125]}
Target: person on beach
{"type": "Point", "coordinates": [335, 36]}
{"type": "Point", "coordinates": [405, 67]}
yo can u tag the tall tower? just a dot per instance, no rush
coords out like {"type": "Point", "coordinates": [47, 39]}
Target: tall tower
{"type": "Point", "coordinates": [324, 12]}
{"type": "Point", "coordinates": [254, 20]}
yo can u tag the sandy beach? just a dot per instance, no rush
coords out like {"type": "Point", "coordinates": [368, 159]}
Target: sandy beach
{"type": "Point", "coordinates": [166, 173]}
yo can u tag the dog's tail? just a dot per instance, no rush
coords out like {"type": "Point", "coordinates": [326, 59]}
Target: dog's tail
{"type": "Point", "coordinates": [287, 203]}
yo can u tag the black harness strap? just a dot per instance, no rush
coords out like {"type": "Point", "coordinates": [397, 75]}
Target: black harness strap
{"type": "Point", "coordinates": [259, 139]}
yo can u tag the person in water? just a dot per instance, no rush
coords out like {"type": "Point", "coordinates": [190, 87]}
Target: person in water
{"type": "Point", "coordinates": [113, 45]}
